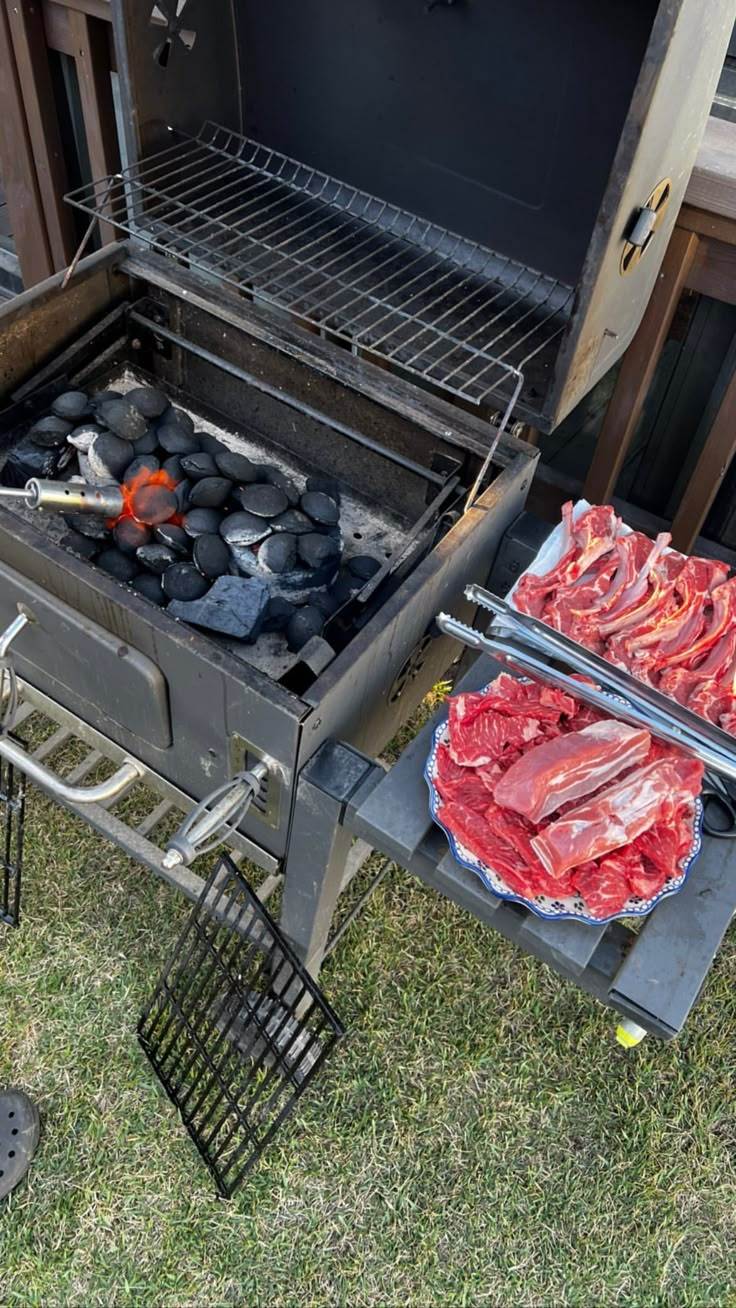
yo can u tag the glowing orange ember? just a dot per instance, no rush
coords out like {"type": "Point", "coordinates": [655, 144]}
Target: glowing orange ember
{"type": "Point", "coordinates": [136, 483]}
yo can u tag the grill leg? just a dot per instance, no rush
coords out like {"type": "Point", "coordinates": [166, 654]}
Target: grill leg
{"type": "Point", "coordinates": [12, 818]}
{"type": "Point", "coordinates": [318, 849]}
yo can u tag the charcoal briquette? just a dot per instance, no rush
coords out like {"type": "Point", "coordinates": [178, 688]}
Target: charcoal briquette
{"type": "Point", "coordinates": [344, 588]}
{"type": "Point", "coordinates": [140, 470]}
{"type": "Point", "coordinates": [305, 623]}
{"type": "Point", "coordinates": [147, 444]}
{"type": "Point", "coordinates": [149, 401]}
{"type": "Point", "coordinates": [153, 504]}
{"type": "Point", "coordinates": [174, 440]}
{"type": "Point", "coordinates": [263, 500]}
{"type": "Point", "coordinates": [123, 419]}
{"type": "Point", "coordinates": [211, 556]}
{"type": "Point", "coordinates": [242, 529]}
{"type": "Point", "coordinates": [210, 492]}
{"type": "Point", "coordinates": [120, 566]}
{"type": "Point", "coordinates": [316, 549]}
{"type": "Point", "coordinates": [278, 553]}
{"type": "Point", "coordinates": [26, 459]}
{"type": "Point", "coordinates": [233, 606]}
{"type": "Point", "coordinates": [82, 437]}
{"type": "Point", "coordinates": [278, 614]}
{"type": "Point", "coordinates": [103, 396]}
{"type": "Point", "coordinates": [320, 508]}
{"type": "Point", "coordinates": [178, 418]}
{"type": "Point", "coordinates": [81, 545]}
{"type": "Point", "coordinates": [129, 535]}
{"type": "Point", "coordinates": [156, 557]}
{"type": "Point", "coordinates": [363, 566]}
{"type": "Point", "coordinates": [182, 491]}
{"type": "Point", "coordinates": [275, 477]}
{"type": "Point", "coordinates": [235, 466]}
{"type": "Point", "coordinates": [182, 581]}
{"type": "Point", "coordinates": [175, 537]}
{"type": "Point", "coordinates": [198, 465]}
{"type": "Point", "coordinates": [109, 456]}
{"type": "Point", "coordinates": [88, 524]}
{"type": "Point", "coordinates": [293, 521]}
{"type": "Point", "coordinates": [51, 432]}
{"type": "Point", "coordinates": [72, 406]}
{"type": "Point", "coordinates": [200, 522]}
{"type": "Point", "coordinates": [149, 586]}
{"type": "Point", "coordinates": [325, 486]}
{"type": "Point", "coordinates": [324, 601]}
{"type": "Point", "coordinates": [173, 469]}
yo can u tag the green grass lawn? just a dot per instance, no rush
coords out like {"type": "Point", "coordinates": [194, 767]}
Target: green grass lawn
{"type": "Point", "coordinates": [478, 1139]}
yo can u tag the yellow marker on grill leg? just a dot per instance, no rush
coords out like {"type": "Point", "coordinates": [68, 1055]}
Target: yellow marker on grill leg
{"type": "Point", "coordinates": [629, 1034]}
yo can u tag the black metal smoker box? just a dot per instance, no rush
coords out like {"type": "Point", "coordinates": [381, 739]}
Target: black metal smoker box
{"type": "Point", "coordinates": [526, 193]}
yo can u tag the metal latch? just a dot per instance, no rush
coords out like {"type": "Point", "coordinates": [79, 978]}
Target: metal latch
{"type": "Point", "coordinates": [214, 819]}
{"type": "Point", "coordinates": [645, 225]}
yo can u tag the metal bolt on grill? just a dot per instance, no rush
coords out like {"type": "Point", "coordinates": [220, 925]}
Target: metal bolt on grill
{"type": "Point", "coordinates": [236, 1028]}
{"type": "Point", "coordinates": [12, 815]}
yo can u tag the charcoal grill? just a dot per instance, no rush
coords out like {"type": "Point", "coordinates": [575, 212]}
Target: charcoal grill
{"type": "Point", "coordinates": [386, 342]}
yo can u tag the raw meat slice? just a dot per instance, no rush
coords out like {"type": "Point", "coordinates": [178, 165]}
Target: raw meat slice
{"type": "Point", "coordinates": [509, 695]}
{"type": "Point", "coordinates": [722, 618]}
{"type": "Point", "coordinates": [650, 794]}
{"type": "Point", "coordinates": [677, 629]}
{"type": "Point", "coordinates": [593, 535]}
{"type": "Point", "coordinates": [604, 891]}
{"type": "Point", "coordinates": [645, 593]}
{"type": "Point", "coordinates": [473, 832]}
{"type": "Point", "coordinates": [665, 844]}
{"type": "Point", "coordinates": [573, 605]}
{"type": "Point", "coordinates": [511, 829]}
{"type": "Point", "coordinates": [570, 767]}
{"type": "Point", "coordinates": [461, 785]}
{"type": "Point", "coordinates": [483, 739]}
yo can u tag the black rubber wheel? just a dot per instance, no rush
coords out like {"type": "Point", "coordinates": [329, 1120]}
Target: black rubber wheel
{"type": "Point", "coordinates": [20, 1127]}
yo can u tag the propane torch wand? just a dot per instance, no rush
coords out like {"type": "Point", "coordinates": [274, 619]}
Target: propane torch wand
{"type": "Point", "coordinates": [66, 497]}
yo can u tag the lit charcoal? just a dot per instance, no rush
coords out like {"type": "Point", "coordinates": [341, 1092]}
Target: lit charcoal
{"type": "Point", "coordinates": [81, 545]}
{"type": "Point", "coordinates": [316, 549]}
{"type": "Point", "coordinates": [320, 508]}
{"type": "Point", "coordinates": [149, 587]}
{"type": "Point", "coordinates": [363, 566]}
{"type": "Point", "coordinates": [174, 440]}
{"type": "Point", "coordinates": [242, 529]}
{"type": "Point", "coordinates": [109, 456]}
{"type": "Point", "coordinates": [175, 537]}
{"type": "Point", "coordinates": [149, 401]}
{"type": "Point", "coordinates": [325, 486]}
{"type": "Point", "coordinates": [50, 432]}
{"type": "Point", "coordinates": [275, 477]}
{"type": "Point", "coordinates": [278, 553]}
{"type": "Point", "coordinates": [278, 614]}
{"type": "Point", "coordinates": [235, 466]}
{"type": "Point", "coordinates": [324, 601]}
{"type": "Point", "coordinates": [181, 581]}
{"type": "Point", "coordinates": [129, 535]}
{"type": "Point", "coordinates": [72, 406]}
{"type": "Point", "coordinates": [156, 557]}
{"type": "Point", "coordinates": [210, 492]}
{"type": "Point", "coordinates": [123, 419]}
{"type": "Point", "coordinates": [263, 500]}
{"type": "Point", "coordinates": [173, 469]}
{"type": "Point", "coordinates": [201, 522]}
{"type": "Point", "coordinates": [293, 521]}
{"type": "Point", "coordinates": [306, 623]}
{"type": "Point", "coordinates": [26, 459]}
{"type": "Point", "coordinates": [198, 465]}
{"type": "Point", "coordinates": [211, 556]}
{"type": "Point", "coordinates": [82, 437]}
{"type": "Point", "coordinates": [88, 524]}
{"type": "Point", "coordinates": [120, 566]}
{"type": "Point", "coordinates": [153, 504]}
{"type": "Point", "coordinates": [233, 606]}
{"type": "Point", "coordinates": [140, 470]}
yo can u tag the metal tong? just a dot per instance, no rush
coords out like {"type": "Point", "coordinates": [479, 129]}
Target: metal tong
{"type": "Point", "coordinates": [529, 646]}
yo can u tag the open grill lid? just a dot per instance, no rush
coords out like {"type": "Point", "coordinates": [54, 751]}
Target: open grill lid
{"type": "Point", "coordinates": [494, 160]}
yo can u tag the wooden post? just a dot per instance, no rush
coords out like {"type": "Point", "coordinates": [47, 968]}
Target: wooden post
{"type": "Point", "coordinates": [19, 171]}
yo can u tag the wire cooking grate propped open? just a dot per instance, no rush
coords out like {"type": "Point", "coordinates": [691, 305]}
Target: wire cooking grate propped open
{"type": "Point", "coordinates": [12, 817]}
{"type": "Point", "coordinates": [236, 1028]}
{"type": "Point", "coordinates": [441, 308]}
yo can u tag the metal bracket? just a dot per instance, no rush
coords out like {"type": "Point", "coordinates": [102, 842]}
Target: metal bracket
{"type": "Point", "coordinates": [12, 818]}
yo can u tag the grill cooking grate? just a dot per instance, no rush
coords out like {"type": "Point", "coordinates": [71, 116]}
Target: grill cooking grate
{"type": "Point", "coordinates": [236, 1028]}
{"type": "Point", "coordinates": [440, 307]}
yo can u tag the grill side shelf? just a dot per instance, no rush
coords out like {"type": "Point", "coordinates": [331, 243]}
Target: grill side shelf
{"type": "Point", "coordinates": [654, 977]}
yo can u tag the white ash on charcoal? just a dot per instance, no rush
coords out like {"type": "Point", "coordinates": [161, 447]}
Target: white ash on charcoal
{"type": "Point", "coordinates": [215, 529]}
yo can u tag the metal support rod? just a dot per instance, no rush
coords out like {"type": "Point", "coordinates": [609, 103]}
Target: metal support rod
{"type": "Point", "coordinates": [115, 786]}
{"type": "Point", "coordinates": [283, 397]}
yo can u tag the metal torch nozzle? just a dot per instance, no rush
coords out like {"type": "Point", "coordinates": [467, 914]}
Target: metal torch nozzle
{"type": "Point", "coordinates": [67, 497]}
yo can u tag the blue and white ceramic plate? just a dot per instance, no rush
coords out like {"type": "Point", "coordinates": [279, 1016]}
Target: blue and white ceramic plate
{"type": "Point", "coordinates": [570, 906]}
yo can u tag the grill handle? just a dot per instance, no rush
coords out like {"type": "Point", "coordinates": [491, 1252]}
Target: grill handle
{"type": "Point", "coordinates": [211, 821]}
{"type": "Point", "coordinates": [113, 788]}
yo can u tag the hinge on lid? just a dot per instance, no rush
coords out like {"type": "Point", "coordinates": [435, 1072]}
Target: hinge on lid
{"type": "Point", "coordinates": [645, 224]}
